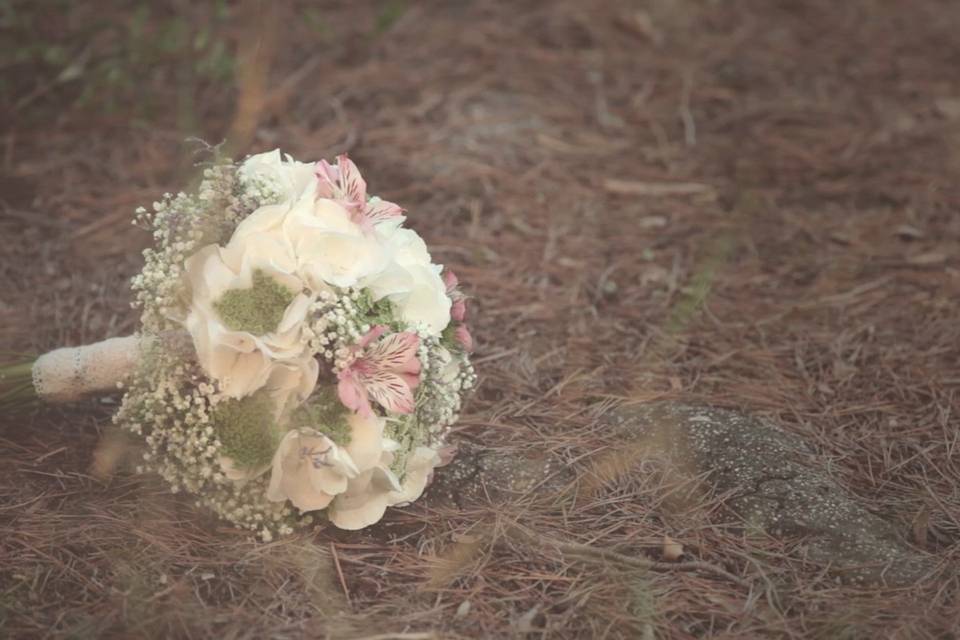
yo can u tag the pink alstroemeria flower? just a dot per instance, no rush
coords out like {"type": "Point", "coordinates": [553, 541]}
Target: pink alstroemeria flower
{"type": "Point", "coordinates": [385, 370]}
{"type": "Point", "coordinates": [344, 184]}
{"type": "Point", "coordinates": [458, 311]}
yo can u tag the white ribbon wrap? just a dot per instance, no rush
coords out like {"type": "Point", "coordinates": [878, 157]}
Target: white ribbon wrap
{"type": "Point", "coordinates": [68, 374]}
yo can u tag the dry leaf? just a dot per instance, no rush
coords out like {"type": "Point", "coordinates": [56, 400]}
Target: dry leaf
{"type": "Point", "coordinates": [907, 231]}
{"type": "Point", "coordinates": [949, 108]}
{"type": "Point", "coordinates": [524, 624]}
{"type": "Point", "coordinates": [928, 258]}
{"type": "Point", "coordinates": [641, 23]}
{"type": "Point", "coordinates": [921, 526]}
{"type": "Point", "coordinates": [637, 188]}
{"type": "Point", "coordinates": [111, 448]}
{"type": "Point", "coordinates": [652, 222]}
{"type": "Point", "coordinates": [672, 550]}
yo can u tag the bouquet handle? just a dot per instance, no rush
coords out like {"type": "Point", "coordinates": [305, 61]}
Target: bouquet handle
{"type": "Point", "coordinates": [70, 373]}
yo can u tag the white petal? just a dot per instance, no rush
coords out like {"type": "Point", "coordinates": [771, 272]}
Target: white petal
{"type": "Point", "coordinates": [427, 303]}
{"type": "Point", "coordinates": [339, 259]}
{"type": "Point", "coordinates": [358, 508]}
{"type": "Point", "coordinates": [419, 467]}
{"type": "Point", "coordinates": [366, 440]}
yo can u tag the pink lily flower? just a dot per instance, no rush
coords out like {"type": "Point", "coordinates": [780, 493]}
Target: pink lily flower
{"type": "Point", "coordinates": [385, 370]}
{"type": "Point", "coordinates": [344, 184]}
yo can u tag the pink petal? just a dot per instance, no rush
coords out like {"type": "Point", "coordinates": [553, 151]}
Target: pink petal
{"type": "Point", "coordinates": [458, 311]}
{"type": "Point", "coordinates": [390, 390]}
{"type": "Point", "coordinates": [379, 210]}
{"type": "Point", "coordinates": [412, 379]}
{"type": "Point", "coordinates": [462, 335]}
{"type": "Point", "coordinates": [353, 186]}
{"type": "Point", "coordinates": [397, 352]}
{"type": "Point", "coordinates": [450, 280]}
{"type": "Point", "coordinates": [352, 394]}
{"type": "Point", "coordinates": [328, 175]}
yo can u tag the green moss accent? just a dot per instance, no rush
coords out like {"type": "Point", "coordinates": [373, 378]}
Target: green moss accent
{"type": "Point", "coordinates": [247, 429]}
{"type": "Point", "coordinates": [377, 312]}
{"type": "Point", "coordinates": [325, 413]}
{"type": "Point", "coordinates": [258, 309]}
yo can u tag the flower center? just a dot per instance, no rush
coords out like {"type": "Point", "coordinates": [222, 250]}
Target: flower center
{"type": "Point", "coordinates": [257, 310]}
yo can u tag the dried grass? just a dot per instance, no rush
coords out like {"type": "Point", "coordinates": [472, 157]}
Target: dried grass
{"type": "Point", "coordinates": [752, 205]}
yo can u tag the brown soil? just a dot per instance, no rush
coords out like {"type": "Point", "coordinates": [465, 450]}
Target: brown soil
{"type": "Point", "coordinates": [744, 204]}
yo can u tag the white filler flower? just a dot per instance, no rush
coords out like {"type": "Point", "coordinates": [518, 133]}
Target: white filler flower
{"type": "Point", "coordinates": [276, 178]}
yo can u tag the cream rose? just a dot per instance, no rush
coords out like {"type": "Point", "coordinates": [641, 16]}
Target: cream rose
{"type": "Point", "coordinates": [247, 310]}
{"type": "Point", "coordinates": [411, 281]}
{"type": "Point", "coordinates": [330, 248]}
{"type": "Point", "coordinates": [369, 494]}
{"type": "Point", "coordinates": [316, 239]}
{"type": "Point", "coordinates": [313, 472]}
{"type": "Point", "coordinates": [420, 467]}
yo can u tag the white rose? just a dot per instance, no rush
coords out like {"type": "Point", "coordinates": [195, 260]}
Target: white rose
{"type": "Point", "coordinates": [246, 310]}
{"type": "Point", "coordinates": [315, 238]}
{"type": "Point", "coordinates": [411, 281]}
{"type": "Point", "coordinates": [330, 248]}
{"type": "Point", "coordinates": [365, 500]}
{"type": "Point", "coordinates": [369, 494]}
{"type": "Point", "coordinates": [313, 472]}
{"type": "Point", "coordinates": [284, 179]}
{"type": "Point", "coordinates": [309, 469]}
{"type": "Point", "coordinates": [420, 467]}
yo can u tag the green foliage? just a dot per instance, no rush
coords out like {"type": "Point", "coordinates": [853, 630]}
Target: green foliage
{"type": "Point", "coordinates": [106, 52]}
{"type": "Point", "coordinates": [377, 311]}
{"type": "Point", "coordinates": [389, 13]}
{"type": "Point", "coordinates": [258, 309]}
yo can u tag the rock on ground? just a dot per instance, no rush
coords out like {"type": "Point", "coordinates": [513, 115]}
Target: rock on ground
{"type": "Point", "coordinates": [771, 480]}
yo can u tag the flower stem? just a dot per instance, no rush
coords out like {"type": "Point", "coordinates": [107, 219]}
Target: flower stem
{"type": "Point", "coordinates": [17, 392]}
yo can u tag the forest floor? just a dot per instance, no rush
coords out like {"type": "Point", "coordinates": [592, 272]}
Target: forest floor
{"type": "Point", "coordinates": [753, 205]}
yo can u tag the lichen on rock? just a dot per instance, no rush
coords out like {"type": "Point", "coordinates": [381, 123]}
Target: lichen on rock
{"type": "Point", "coordinates": [775, 483]}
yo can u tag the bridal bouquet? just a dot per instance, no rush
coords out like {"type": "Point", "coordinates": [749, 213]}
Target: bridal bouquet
{"type": "Point", "coordinates": [299, 351]}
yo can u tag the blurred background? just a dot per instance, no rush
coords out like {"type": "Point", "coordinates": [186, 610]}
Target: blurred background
{"type": "Point", "coordinates": [751, 204]}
